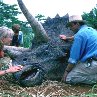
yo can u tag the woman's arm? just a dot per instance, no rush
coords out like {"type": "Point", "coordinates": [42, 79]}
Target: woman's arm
{"type": "Point", "coordinates": [3, 72]}
{"type": "Point", "coordinates": [12, 69]}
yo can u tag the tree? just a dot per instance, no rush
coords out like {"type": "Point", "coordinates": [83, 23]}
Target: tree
{"type": "Point", "coordinates": [91, 17]}
{"type": "Point", "coordinates": [40, 17]}
{"type": "Point", "coordinates": [8, 14]}
{"type": "Point", "coordinates": [40, 33]}
{"type": "Point", "coordinates": [8, 17]}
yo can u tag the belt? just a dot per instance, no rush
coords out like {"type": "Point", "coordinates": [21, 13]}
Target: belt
{"type": "Point", "coordinates": [91, 59]}
{"type": "Point", "coordinates": [94, 58]}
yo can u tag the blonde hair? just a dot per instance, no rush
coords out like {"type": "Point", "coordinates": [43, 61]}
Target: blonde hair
{"type": "Point", "coordinates": [6, 32]}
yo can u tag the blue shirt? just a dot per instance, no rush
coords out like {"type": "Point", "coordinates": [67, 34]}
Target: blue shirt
{"type": "Point", "coordinates": [20, 37]}
{"type": "Point", "coordinates": [84, 45]}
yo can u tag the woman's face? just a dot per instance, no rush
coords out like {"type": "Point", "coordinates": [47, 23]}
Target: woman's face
{"type": "Point", "coordinates": [6, 40]}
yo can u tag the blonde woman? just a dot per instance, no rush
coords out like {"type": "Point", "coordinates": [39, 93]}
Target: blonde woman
{"type": "Point", "coordinates": [6, 35]}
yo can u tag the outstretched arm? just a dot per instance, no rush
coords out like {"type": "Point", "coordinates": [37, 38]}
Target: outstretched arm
{"type": "Point", "coordinates": [12, 69]}
{"type": "Point", "coordinates": [63, 37]}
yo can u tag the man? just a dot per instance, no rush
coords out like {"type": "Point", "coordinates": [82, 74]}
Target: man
{"type": "Point", "coordinates": [18, 36]}
{"type": "Point", "coordinates": [82, 63]}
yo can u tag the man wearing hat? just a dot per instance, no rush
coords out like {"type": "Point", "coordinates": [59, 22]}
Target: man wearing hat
{"type": "Point", "coordinates": [82, 63]}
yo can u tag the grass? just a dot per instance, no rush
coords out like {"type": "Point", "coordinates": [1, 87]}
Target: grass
{"type": "Point", "coordinates": [52, 87]}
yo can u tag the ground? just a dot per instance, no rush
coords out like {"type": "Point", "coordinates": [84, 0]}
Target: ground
{"type": "Point", "coordinates": [10, 88]}
{"type": "Point", "coordinates": [46, 89]}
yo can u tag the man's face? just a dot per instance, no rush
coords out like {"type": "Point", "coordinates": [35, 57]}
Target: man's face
{"type": "Point", "coordinates": [74, 26]}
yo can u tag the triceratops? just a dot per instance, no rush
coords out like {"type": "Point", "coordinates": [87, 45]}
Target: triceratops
{"type": "Point", "coordinates": [48, 56]}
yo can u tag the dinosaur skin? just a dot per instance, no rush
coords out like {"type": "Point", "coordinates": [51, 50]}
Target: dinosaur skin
{"type": "Point", "coordinates": [47, 61]}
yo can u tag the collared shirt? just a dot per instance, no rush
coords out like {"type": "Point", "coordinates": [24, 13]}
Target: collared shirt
{"type": "Point", "coordinates": [84, 45]}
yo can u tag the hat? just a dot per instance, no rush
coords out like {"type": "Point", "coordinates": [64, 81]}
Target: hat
{"type": "Point", "coordinates": [75, 18]}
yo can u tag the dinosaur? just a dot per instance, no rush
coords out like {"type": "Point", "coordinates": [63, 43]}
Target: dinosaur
{"type": "Point", "coordinates": [48, 55]}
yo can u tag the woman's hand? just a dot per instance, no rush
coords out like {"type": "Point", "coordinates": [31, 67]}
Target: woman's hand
{"type": "Point", "coordinates": [14, 69]}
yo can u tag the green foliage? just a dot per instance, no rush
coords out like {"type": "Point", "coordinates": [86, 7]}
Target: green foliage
{"type": "Point", "coordinates": [8, 14]}
{"type": "Point", "coordinates": [40, 17]}
{"type": "Point", "coordinates": [8, 17]}
{"type": "Point", "coordinates": [28, 38]}
{"type": "Point", "coordinates": [91, 17]}
{"type": "Point", "coordinates": [28, 34]}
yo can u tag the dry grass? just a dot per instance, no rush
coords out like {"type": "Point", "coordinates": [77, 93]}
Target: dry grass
{"type": "Point", "coordinates": [9, 88]}
{"type": "Point", "coordinates": [47, 89]}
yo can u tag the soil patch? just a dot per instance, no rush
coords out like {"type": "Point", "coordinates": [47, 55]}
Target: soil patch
{"type": "Point", "coordinates": [47, 89]}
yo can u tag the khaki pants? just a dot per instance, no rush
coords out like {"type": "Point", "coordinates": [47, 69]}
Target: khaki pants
{"type": "Point", "coordinates": [83, 73]}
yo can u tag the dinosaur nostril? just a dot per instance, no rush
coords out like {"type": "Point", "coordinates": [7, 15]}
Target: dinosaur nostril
{"type": "Point", "coordinates": [30, 73]}
{"type": "Point", "coordinates": [25, 59]}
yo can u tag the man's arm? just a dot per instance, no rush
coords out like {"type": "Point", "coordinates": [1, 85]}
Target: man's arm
{"type": "Point", "coordinates": [67, 70]}
{"type": "Point", "coordinates": [66, 38]}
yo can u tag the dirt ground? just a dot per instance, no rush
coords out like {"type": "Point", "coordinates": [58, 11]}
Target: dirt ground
{"type": "Point", "coordinates": [9, 88]}
{"type": "Point", "coordinates": [46, 89]}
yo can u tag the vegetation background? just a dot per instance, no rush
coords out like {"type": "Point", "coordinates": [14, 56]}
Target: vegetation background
{"type": "Point", "coordinates": [9, 16]}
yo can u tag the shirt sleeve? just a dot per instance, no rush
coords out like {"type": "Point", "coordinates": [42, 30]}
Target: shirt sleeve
{"type": "Point", "coordinates": [75, 52]}
{"type": "Point", "coordinates": [20, 37]}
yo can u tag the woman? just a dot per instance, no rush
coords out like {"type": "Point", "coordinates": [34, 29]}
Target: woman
{"type": "Point", "coordinates": [6, 35]}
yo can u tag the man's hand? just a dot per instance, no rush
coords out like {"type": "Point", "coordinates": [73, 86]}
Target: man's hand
{"type": "Point", "coordinates": [63, 37]}
{"type": "Point", "coordinates": [67, 70]}
{"type": "Point", "coordinates": [64, 76]}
